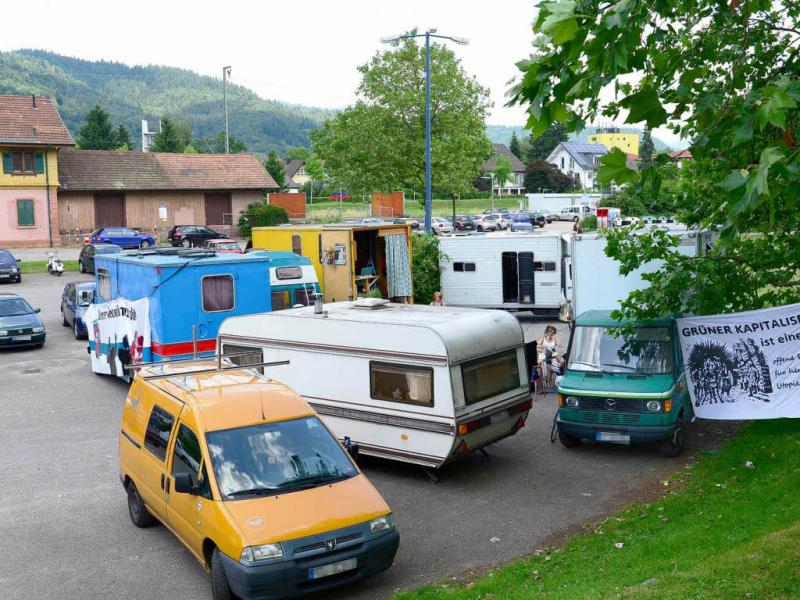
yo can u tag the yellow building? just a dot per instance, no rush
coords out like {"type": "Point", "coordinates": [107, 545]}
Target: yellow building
{"type": "Point", "coordinates": [612, 137]}
{"type": "Point", "coordinates": [350, 260]}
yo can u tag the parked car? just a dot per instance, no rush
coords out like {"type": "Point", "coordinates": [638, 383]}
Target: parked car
{"type": "Point", "coordinates": [191, 235]}
{"type": "Point", "coordinates": [223, 245]}
{"type": "Point", "coordinates": [9, 267]}
{"type": "Point", "coordinates": [575, 213]}
{"type": "Point", "coordinates": [503, 220]}
{"type": "Point", "coordinates": [440, 225]}
{"type": "Point", "coordinates": [551, 216]}
{"type": "Point", "coordinates": [410, 221]}
{"type": "Point", "coordinates": [538, 219]}
{"type": "Point", "coordinates": [285, 509]}
{"type": "Point", "coordinates": [20, 324]}
{"type": "Point", "coordinates": [464, 223]}
{"type": "Point", "coordinates": [339, 196]}
{"type": "Point", "coordinates": [89, 251]}
{"type": "Point", "coordinates": [75, 299]}
{"type": "Point", "coordinates": [624, 221]}
{"type": "Point", "coordinates": [495, 211]}
{"type": "Point", "coordinates": [486, 222]}
{"type": "Point", "coordinates": [520, 222]}
{"type": "Point", "coordinates": [124, 237]}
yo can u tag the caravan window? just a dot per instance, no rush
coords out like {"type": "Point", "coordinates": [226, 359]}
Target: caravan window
{"type": "Point", "coordinates": [305, 296]}
{"type": "Point", "coordinates": [280, 300]}
{"type": "Point", "coordinates": [401, 383]}
{"type": "Point", "coordinates": [289, 273]}
{"type": "Point", "coordinates": [104, 284]}
{"type": "Point", "coordinates": [297, 244]}
{"type": "Point", "coordinates": [218, 293]}
{"type": "Point", "coordinates": [491, 376]}
{"type": "Point", "coordinates": [461, 267]}
{"type": "Point", "coordinates": [544, 266]}
{"type": "Point", "coordinates": [244, 355]}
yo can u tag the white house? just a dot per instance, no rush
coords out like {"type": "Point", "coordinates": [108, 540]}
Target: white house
{"type": "Point", "coordinates": [516, 182]}
{"type": "Point", "coordinates": [579, 160]}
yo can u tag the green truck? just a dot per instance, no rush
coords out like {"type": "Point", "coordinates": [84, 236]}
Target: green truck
{"type": "Point", "coordinates": [624, 386]}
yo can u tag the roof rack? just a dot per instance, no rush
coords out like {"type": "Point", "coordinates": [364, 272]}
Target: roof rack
{"type": "Point", "coordinates": [182, 252]}
{"type": "Point", "coordinates": [217, 369]}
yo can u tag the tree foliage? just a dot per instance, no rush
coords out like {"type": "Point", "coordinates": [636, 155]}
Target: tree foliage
{"type": "Point", "coordinates": [260, 214]}
{"type": "Point", "coordinates": [425, 249]}
{"type": "Point", "coordinates": [174, 136]}
{"type": "Point", "coordinates": [721, 74]}
{"type": "Point", "coordinates": [97, 133]}
{"type": "Point", "coordinates": [298, 153]}
{"type": "Point", "coordinates": [378, 143]}
{"type": "Point", "coordinates": [541, 146]}
{"type": "Point", "coordinates": [515, 146]}
{"type": "Point", "coordinates": [646, 149]}
{"type": "Point", "coordinates": [502, 171]}
{"type": "Point", "coordinates": [122, 138]}
{"type": "Point", "coordinates": [274, 167]}
{"type": "Point", "coordinates": [541, 175]}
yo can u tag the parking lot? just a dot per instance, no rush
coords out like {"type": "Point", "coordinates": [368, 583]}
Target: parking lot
{"type": "Point", "coordinates": [64, 527]}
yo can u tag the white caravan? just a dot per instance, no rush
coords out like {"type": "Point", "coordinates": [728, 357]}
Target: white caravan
{"type": "Point", "coordinates": [592, 280]}
{"type": "Point", "coordinates": [504, 270]}
{"type": "Point", "coordinates": [419, 384]}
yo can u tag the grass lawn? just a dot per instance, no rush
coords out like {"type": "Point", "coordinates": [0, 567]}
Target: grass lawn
{"type": "Point", "coordinates": [330, 210]}
{"type": "Point", "coordinates": [40, 266]}
{"type": "Point", "coordinates": [730, 528]}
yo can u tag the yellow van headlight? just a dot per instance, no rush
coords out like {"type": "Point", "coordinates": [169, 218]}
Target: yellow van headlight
{"type": "Point", "coordinates": [381, 524]}
{"type": "Point", "coordinates": [254, 554]}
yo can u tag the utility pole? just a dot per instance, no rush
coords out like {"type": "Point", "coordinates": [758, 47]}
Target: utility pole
{"type": "Point", "coordinates": [226, 72]}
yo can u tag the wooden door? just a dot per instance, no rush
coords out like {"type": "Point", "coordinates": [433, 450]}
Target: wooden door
{"type": "Point", "coordinates": [109, 210]}
{"type": "Point", "coordinates": [218, 210]}
{"type": "Point", "coordinates": [337, 279]}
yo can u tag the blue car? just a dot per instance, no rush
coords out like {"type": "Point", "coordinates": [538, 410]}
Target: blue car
{"type": "Point", "coordinates": [521, 222]}
{"type": "Point", "coordinates": [20, 324]}
{"type": "Point", "coordinates": [124, 237]}
{"type": "Point", "coordinates": [75, 299]}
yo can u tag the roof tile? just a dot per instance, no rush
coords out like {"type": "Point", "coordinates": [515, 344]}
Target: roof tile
{"type": "Point", "coordinates": [30, 120]}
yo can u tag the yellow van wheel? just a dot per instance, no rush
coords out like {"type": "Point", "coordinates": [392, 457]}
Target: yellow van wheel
{"type": "Point", "coordinates": [220, 590]}
{"type": "Point", "coordinates": [136, 508]}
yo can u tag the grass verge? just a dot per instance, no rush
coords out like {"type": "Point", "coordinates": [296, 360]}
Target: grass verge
{"type": "Point", "coordinates": [730, 529]}
{"type": "Point", "coordinates": [440, 208]}
{"type": "Point", "coordinates": [40, 266]}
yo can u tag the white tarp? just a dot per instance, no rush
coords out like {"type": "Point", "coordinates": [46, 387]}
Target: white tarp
{"type": "Point", "coordinates": [119, 334]}
{"type": "Point", "coordinates": [744, 365]}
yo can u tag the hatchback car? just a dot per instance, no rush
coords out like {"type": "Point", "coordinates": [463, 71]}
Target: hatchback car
{"type": "Point", "coordinates": [538, 219]}
{"type": "Point", "coordinates": [9, 267]}
{"type": "Point", "coordinates": [191, 235]}
{"type": "Point", "coordinates": [223, 245]}
{"type": "Point", "coordinates": [20, 324]}
{"type": "Point", "coordinates": [440, 225]}
{"type": "Point", "coordinates": [464, 223]}
{"type": "Point", "coordinates": [89, 251]}
{"type": "Point", "coordinates": [75, 299]}
{"type": "Point", "coordinates": [521, 222]}
{"type": "Point", "coordinates": [486, 222]}
{"type": "Point", "coordinates": [124, 237]}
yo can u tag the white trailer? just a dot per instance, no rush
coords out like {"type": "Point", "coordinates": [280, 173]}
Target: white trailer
{"type": "Point", "coordinates": [513, 271]}
{"type": "Point", "coordinates": [419, 384]}
{"type": "Point", "coordinates": [592, 280]}
{"type": "Point", "coordinates": [555, 203]}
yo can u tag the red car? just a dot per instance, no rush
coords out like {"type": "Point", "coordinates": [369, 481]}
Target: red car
{"type": "Point", "coordinates": [339, 196]}
{"type": "Point", "coordinates": [223, 245]}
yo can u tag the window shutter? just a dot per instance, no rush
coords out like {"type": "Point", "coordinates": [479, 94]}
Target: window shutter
{"type": "Point", "coordinates": [8, 165]}
{"type": "Point", "coordinates": [25, 214]}
{"type": "Point", "coordinates": [38, 160]}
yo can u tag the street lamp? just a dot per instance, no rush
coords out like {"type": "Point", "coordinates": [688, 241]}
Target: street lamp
{"type": "Point", "coordinates": [427, 35]}
{"type": "Point", "coordinates": [491, 186]}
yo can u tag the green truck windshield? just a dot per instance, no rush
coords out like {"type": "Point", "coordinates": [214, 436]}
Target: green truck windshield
{"type": "Point", "coordinates": [648, 350]}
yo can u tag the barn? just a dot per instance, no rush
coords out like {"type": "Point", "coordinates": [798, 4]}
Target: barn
{"type": "Point", "coordinates": [152, 191]}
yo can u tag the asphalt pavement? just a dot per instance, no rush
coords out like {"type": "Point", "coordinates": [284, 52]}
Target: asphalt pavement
{"type": "Point", "coordinates": [65, 533]}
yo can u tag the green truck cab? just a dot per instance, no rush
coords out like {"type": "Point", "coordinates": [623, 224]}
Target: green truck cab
{"type": "Point", "coordinates": [625, 388]}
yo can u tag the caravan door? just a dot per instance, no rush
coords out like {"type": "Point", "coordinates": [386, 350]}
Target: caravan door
{"type": "Point", "coordinates": [518, 278]}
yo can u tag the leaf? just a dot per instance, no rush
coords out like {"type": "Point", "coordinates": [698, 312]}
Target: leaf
{"type": "Point", "coordinates": [744, 133]}
{"type": "Point", "coordinates": [774, 109]}
{"type": "Point", "coordinates": [645, 105]}
{"type": "Point", "coordinates": [614, 168]}
{"type": "Point", "coordinates": [559, 20]}
{"type": "Point", "coordinates": [734, 180]}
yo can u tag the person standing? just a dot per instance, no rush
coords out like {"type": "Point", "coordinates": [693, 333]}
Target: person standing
{"type": "Point", "coordinates": [438, 299]}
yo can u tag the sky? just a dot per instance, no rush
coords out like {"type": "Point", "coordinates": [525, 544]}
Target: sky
{"type": "Point", "coordinates": [297, 51]}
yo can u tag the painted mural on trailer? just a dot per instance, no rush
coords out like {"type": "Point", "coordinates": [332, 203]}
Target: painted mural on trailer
{"type": "Point", "coordinates": [743, 365]}
{"type": "Point", "coordinates": [119, 335]}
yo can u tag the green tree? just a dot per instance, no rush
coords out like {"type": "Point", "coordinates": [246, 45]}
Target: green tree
{"type": "Point", "coordinates": [260, 214]}
{"type": "Point", "coordinates": [516, 147]}
{"type": "Point", "coordinates": [97, 133]}
{"type": "Point", "coordinates": [544, 144]}
{"type": "Point", "coordinates": [172, 137]}
{"type": "Point", "coordinates": [541, 175]}
{"type": "Point", "coordinates": [298, 153]}
{"type": "Point", "coordinates": [122, 139]}
{"type": "Point", "coordinates": [722, 74]}
{"type": "Point", "coordinates": [646, 149]}
{"type": "Point", "coordinates": [235, 145]}
{"type": "Point", "coordinates": [378, 143]}
{"type": "Point", "coordinates": [425, 249]}
{"type": "Point", "coordinates": [274, 167]}
{"type": "Point", "coordinates": [502, 171]}
{"type": "Point", "coordinates": [315, 171]}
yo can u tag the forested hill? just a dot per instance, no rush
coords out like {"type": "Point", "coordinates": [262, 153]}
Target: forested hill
{"type": "Point", "coordinates": [131, 94]}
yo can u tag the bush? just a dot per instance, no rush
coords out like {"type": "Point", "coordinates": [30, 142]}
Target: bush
{"type": "Point", "coordinates": [261, 215]}
{"type": "Point", "coordinates": [426, 267]}
{"type": "Point", "coordinates": [589, 223]}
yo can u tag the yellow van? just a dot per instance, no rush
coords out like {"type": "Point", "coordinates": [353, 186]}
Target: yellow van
{"type": "Point", "coordinates": [246, 475]}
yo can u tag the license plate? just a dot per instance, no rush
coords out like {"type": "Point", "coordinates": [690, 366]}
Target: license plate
{"type": "Point", "coordinates": [332, 568]}
{"type": "Point", "coordinates": [4, 276]}
{"type": "Point", "coordinates": [617, 438]}
{"type": "Point", "coordinates": [497, 417]}
{"type": "Point", "coordinates": [22, 338]}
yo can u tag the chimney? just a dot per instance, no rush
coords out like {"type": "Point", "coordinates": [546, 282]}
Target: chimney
{"type": "Point", "coordinates": [33, 100]}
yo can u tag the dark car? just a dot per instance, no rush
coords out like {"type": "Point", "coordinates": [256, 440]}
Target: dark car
{"type": "Point", "coordinates": [75, 299]}
{"type": "Point", "coordinates": [538, 219]}
{"type": "Point", "coordinates": [410, 221]}
{"type": "Point", "coordinates": [464, 222]}
{"type": "Point", "coordinates": [89, 251]}
{"type": "Point", "coordinates": [20, 324]}
{"type": "Point", "coordinates": [9, 267]}
{"type": "Point", "coordinates": [124, 237]}
{"type": "Point", "coordinates": [192, 235]}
